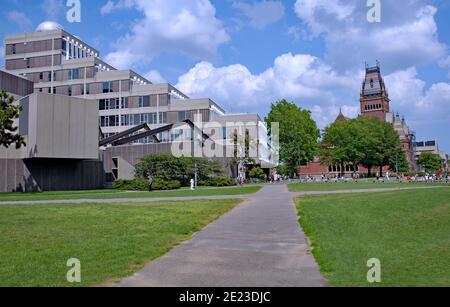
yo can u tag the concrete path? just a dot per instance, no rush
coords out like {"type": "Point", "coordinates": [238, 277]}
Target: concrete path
{"type": "Point", "coordinates": [258, 244]}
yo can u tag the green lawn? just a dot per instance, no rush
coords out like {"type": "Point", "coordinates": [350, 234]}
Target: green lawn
{"type": "Point", "coordinates": [111, 240]}
{"type": "Point", "coordinates": [409, 231]}
{"type": "Point", "coordinates": [117, 194]}
{"type": "Point", "coordinates": [319, 186]}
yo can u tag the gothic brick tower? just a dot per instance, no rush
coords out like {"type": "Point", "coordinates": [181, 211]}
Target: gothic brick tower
{"type": "Point", "coordinates": [374, 96]}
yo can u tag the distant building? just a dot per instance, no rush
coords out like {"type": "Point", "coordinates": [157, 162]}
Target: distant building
{"type": "Point", "coordinates": [374, 102]}
{"type": "Point", "coordinates": [431, 147]}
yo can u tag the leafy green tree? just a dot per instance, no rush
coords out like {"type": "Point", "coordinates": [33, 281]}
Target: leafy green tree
{"type": "Point", "coordinates": [391, 151]}
{"type": "Point", "coordinates": [298, 134]}
{"type": "Point", "coordinates": [430, 161]}
{"type": "Point", "coordinates": [343, 142]}
{"type": "Point", "coordinates": [8, 113]}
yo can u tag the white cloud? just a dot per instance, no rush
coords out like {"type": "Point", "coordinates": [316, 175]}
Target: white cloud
{"type": "Point", "coordinates": [112, 6]}
{"type": "Point", "coordinates": [411, 97]}
{"type": "Point", "coordinates": [155, 77]}
{"type": "Point", "coordinates": [187, 27]}
{"type": "Point", "coordinates": [260, 14]}
{"type": "Point", "coordinates": [20, 19]}
{"type": "Point", "coordinates": [403, 38]}
{"type": "Point", "coordinates": [304, 79]}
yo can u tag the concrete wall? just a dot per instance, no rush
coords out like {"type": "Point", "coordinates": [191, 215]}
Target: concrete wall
{"type": "Point", "coordinates": [33, 175]}
{"type": "Point", "coordinates": [59, 127]}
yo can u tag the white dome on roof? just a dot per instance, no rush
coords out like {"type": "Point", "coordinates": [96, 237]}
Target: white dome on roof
{"type": "Point", "coordinates": [49, 26]}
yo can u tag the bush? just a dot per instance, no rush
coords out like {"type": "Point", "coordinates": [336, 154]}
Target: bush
{"type": "Point", "coordinates": [168, 167]}
{"type": "Point", "coordinates": [132, 185]}
{"type": "Point", "coordinates": [217, 182]}
{"type": "Point", "coordinates": [161, 184]}
{"type": "Point", "coordinates": [257, 173]}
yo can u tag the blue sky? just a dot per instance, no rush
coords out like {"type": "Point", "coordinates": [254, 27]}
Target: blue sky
{"type": "Point", "coordinates": [247, 54]}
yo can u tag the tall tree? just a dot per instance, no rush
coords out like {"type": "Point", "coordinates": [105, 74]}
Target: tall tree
{"type": "Point", "coordinates": [391, 151]}
{"type": "Point", "coordinates": [430, 161]}
{"type": "Point", "coordinates": [298, 134]}
{"type": "Point", "coordinates": [8, 113]}
{"type": "Point", "coordinates": [343, 142]}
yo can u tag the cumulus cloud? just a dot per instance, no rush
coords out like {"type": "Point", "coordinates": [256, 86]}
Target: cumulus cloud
{"type": "Point", "coordinates": [402, 39]}
{"type": "Point", "coordinates": [155, 77]}
{"type": "Point", "coordinates": [187, 27]}
{"type": "Point", "coordinates": [260, 14]}
{"type": "Point", "coordinates": [302, 78]}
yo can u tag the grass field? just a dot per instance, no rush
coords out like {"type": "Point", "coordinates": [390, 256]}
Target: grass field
{"type": "Point", "coordinates": [319, 186]}
{"type": "Point", "coordinates": [117, 194]}
{"type": "Point", "coordinates": [409, 231]}
{"type": "Point", "coordinates": [111, 241]}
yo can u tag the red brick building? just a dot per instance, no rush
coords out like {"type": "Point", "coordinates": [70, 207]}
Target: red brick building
{"type": "Point", "coordinates": [374, 102]}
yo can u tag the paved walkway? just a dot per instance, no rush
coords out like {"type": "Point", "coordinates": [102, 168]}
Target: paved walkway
{"type": "Point", "coordinates": [258, 244]}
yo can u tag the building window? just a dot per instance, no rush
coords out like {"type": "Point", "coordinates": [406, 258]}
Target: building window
{"type": "Point", "coordinates": [28, 62]}
{"type": "Point", "coordinates": [14, 49]}
{"type": "Point", "coordinates": [107, 87]}
{"type": "Point", "coordinates": [144, 101]}
{"type": "Point", "coordinates": [183, 115]}
{"type": "Point", "coordinates": [41, 76]}
{"type": "Point", "coordinates": [163, 118]}
{"type": "Point", "coordinates": [64, 45]}
{"type": "Point", "coordinates": [73, 74]}
{"type": "Point", "coordinates": [124, 102]}
{"type": "Point", "coordinates": [69, 90]}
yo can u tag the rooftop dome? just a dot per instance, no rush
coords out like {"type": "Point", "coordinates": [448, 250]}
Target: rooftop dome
{"type": "Point", "coordinates": [49, 26]}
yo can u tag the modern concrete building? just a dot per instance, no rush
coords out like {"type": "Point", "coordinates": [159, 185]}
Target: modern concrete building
{"type": "Point", "coordinates": [431, 147]}
{"type": "Point", "coordinates": [72, 85]}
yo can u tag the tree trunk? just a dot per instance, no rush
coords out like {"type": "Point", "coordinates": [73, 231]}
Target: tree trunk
{"type": "Point", "coordinates": [369, 171]}
{"type": "Point", "coordinates": [381, 171]}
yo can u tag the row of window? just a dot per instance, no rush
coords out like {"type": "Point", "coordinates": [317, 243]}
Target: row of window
{"type": "Point", "coordinates": [133, 119]}
{"type": "Point", "coordinates": [113, 104]}
{"type": "Point", "coordinates": [373, 107]}
{"type": "Point", "coordinates": [348, 168]}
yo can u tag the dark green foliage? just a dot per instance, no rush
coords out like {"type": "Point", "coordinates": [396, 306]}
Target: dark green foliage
{"type": "Point", "coordinates": [8, 113]}
{"type": "Point", "coordinates": [298, 134]}
{"type": "Point", "coordinates": [162, 185]}
{"type": "Point", "coordinates": [168, 167]}
{"type": "Point", "coordinates": [257, 173]}
{"type": "Point", "coordinates": [365, 141]}
{"type": "Point", "coordinates": [132, 185]}
{"type": "Point", "coordinates": [430, 161]}
{"type": "Point", "coordinates": [217, 182]}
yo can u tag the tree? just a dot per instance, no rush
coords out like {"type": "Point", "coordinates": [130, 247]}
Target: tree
{"type": "Point", "coordinates": [243, 145]}
{"type": "Point", "coordinates": [343, 142]}
{"type": "Point", "coordinates": [430, 161]}
{"type": "Point", "coordinates": [257, 173]}
{"type": "Point", "coordinates": [391, 151]}
{"type": "Point", "coordinates": [8, 113]}
{"type": "Point", "coordinates": [298, 134]}
{"type": "Point", "coordinates": [366, 141]}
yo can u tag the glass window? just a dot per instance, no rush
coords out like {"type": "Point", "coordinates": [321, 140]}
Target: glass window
{"type": "Point", "coordinates": [64, 45]}
{"type": "Point", "coordinates": [124, 102]}
{"type": "Point", "coordinates": [14, 49]}
{"type": "Point", "coordinates": [69, 90]}
{"type": "Point", "coordinates": [75, 74]}
{"type": "Point", "coordinates": [41, 76]}
{"type": "Point", "coordinates": [144, 101]}
{"type": "Point", "coordinates": [107, 87]}
{"type": "Point", "coordinates": [163, 118]}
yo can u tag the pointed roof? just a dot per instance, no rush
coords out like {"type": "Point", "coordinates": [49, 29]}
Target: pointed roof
{"type": "Point", "coordinates": [341, 116]}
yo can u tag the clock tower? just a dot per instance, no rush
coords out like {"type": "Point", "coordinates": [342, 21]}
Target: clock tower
{"type": "Point", "coordinates": [374, 99]}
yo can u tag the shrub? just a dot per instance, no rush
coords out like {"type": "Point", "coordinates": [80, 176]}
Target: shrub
{"type": "Point", "coordinates": [161, 184]}
{"type": "Point", "coordinates": [132, 185]}
{"type": "Point", "coordinates": [217, 182]}
{"type": "Point", "coordinates": [257, 173]}
{"type": "Point", "coordinates": [168, 167]}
